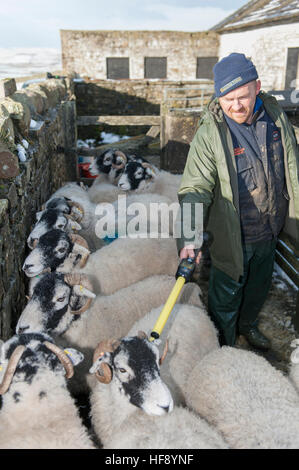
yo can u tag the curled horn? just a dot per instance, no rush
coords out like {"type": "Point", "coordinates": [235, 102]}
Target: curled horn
{"type": "Point", "coordinates": [34, 243]}
{"type": "Point", "coordinates": [82, 247]}
{"type": "Point", "coordinates": [148, 165]}
{"type": "Point", "coordinates": [80, 279]}
{"type": "Point", "coordinates": [78, 213]}
{"type": "Point", "coordinates": [10, 369]}
{"type": "Point", "coordinates": [141, 335]}
{"type": "Point", "coordinates": [123, 158]}
{"type": "Point", "coordinates": [109, 345]}
{"type": "Point", "coordinates": [65, 361]}
{"type": "Point", "coordinates": [164, 352]}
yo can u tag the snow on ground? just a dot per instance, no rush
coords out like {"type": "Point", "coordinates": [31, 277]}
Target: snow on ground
{"type": "Point", "coordinates": [106, 138]}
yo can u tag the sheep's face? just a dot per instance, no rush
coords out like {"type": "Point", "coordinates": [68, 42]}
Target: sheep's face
{"type": "Point", "coordinates": [135, 176]}
{"type": "Point", "coordinates": [103, 163]}
{"type": "Point", "coordinates": [36, 359]}
{"type": "Point", "coordinates": [50, 219]}
{"type": "Point", "coordinates": [51, 250]}
{"type": "Point", "coordinates": [136, 373]}
{"type": "Point", "coordinates": [59, 203]}
{"type": "Point", "coordinates": [52, 305]}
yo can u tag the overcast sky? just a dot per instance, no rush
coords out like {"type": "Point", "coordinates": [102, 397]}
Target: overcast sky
{"type": "Point", "coordinates": [36, 23]}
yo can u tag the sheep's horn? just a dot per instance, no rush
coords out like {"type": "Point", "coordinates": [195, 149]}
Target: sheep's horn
{"type": "Point", "coordinates": [104, 346]}
{"type": "Point", "coordinates": [164, 352]}
{"type": "Point", "coordinates": [123, 158]}
{"type": "Point", "coordinates": [148, 165]}
{"type": "Point", "coordinates": [82, 280]}
{"type": "Point", "coordinates": [65, 361]}
{"type": "Point", "coordinates": [34, 243]}
{"type": "Point", "coordinates": [76, 215]}
{"type": "Point", "coordinates": [10, 369]}
{"type": "Point", "coordinates": [141, 335]}
{"type": "Point", "coordinates": [82, 247]}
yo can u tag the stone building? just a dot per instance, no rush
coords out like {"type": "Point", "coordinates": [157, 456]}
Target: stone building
{"type": "Point", "coordinates": [119, 55]}
{"type": "Point", "coordinates": [268, 32]}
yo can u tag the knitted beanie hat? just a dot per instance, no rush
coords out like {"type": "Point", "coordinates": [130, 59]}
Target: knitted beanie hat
{"type": "Point", "coordinates": [232, 72]}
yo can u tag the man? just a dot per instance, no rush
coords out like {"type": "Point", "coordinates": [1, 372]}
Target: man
{"type": "Point", "coordinates": [243, 167]}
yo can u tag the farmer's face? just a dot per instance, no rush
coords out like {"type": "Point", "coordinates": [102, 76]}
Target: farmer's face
{"type": "Point", "coordinates": [238, 104]}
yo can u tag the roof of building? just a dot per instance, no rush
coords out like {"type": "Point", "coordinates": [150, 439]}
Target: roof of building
{"type": "Point", "coordinates": [258, 13]}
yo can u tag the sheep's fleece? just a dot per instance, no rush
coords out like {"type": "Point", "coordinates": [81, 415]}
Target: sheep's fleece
{"type": "Point", "coordinates": [250, 402]}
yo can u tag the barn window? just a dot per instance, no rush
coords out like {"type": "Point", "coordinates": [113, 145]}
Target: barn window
{"type": "Point", "coordinates": [155, 67]}
{"type": "Point", "coordinates": [292, 71]}
{"type": "Point", "coordinates": [204, 67]}
{"type": "Point", "coordinates": [118, 67]}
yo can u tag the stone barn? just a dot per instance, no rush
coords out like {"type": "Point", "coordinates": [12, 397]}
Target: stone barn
{"type": "Point", "coordinates": [121, 55]}
{"type": "Point", "coordinates": [267, 31]}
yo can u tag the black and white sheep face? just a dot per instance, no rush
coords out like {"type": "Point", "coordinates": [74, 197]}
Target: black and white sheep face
{"type": "Point", "coordinates": [53, 305]}
{"type": "Point", "coordinates": [136, 374]}
{"type": "Point", "coordinates": [50, 219]}
{"type": "Point", "coordinates": [35, 360]}
{"type": "Point", "coordinates": [51, 250]}
{"type": "Point", "coordinates": [59, 203]}
{"type": "Point", "coordinates": [135, 176]}
{"type": "Point", "coordinates": [103, 163]}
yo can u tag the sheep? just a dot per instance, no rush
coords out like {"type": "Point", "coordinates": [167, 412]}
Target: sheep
{"type": "Point", "coordinates": [50, 219]}
{"type": "Point", "coordinates": [143, 177]}
{"type": "Point", "coordinates": [83, 210]}
{"type": "Point", "coordinates": [250, 402]}
{"type": "Point", "coordinates": [112, 267]}
{"type": "Point", "coordinates": [132, 407]}
{"type": "Point", "coordinates": [191, 335]}
{"type": "Point", "coordinates": [60, 307]}
{"type": "Point", "coordinates": [37, 410]}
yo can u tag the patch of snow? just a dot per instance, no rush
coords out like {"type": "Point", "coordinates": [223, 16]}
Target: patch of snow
{"type": "Point", "coordinates": [109, 138]}
{"type": "Point", "coordinates": [281, 279]}
{"type": "Point", "coordinates": [21, 153]}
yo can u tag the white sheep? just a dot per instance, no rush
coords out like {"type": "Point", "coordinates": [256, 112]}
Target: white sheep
{"type": "Point", "coordinates": [37, 410]}
{"type": "Point", "coordinates": [108, 167]}
{"type": "Point", "coordinates": [250, 402]}
{"type": "Point", "coordinates": [146, 178]}
{"type": "Point", "coordinates": [83, 211]}
{"type": "Point", "coordinates": [131, 406]}
{"type": "Point", "coordinates": [50, 219]}
{"type": "Point", "coordinates": [113, 267]}
{"type": "Point", "coordinates": [59, 307]}
{"type": "Point", "coordinates": [191, 335]}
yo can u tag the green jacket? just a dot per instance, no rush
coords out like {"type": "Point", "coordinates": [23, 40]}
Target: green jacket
{"type": "Point", "coordinates": [210, 177]}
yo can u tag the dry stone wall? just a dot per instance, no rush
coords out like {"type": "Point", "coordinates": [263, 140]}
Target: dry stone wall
{"type": "Point", "coordinates": [43, 115]}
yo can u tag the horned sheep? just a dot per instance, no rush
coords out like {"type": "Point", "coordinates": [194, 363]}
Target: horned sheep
{"type": "Point", "coordinates": [64, 305]}
{"type": "Point", "coordinates": [113, 267]}
{"type": "Point", "coordinates": [132, 407]}
{"type": "Point", "coordinates": [250, 402]}
{"type": "Point", "coordinates": [108, 168]}
{"type": "Point", "coordinates": [146, 178]}
{"type": "Point", "coordinates": [37, 410]}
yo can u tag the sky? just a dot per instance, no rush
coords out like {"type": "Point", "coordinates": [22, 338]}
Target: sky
{"type": "Point", "coordinates": [36, 23]}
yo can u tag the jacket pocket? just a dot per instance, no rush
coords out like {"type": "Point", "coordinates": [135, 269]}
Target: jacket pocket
{"type": "Point", "coordinates": [246, 180]}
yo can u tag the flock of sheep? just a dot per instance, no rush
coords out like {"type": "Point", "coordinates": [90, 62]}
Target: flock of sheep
{"type": "Point", "coordinates": [92, 306]}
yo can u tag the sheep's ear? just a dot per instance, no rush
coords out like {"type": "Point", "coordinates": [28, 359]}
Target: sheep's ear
{"type": "Point", "coordinates": [75, 356]}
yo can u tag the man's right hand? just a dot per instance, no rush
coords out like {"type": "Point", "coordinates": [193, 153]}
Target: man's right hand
{"type": "Point", "coordinates": [188, 252]}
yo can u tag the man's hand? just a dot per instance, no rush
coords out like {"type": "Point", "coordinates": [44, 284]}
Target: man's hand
{"type": "Point", "coordinates": [188, 252]}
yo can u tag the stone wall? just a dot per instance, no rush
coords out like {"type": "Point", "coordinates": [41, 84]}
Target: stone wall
{"type": "Point", "coordinates": [127, 97]}
{"type": "Point", "coordinates": [268, 49]}
{"type": "Point", "coordinates": [85, 52]}
{"type": "Point", "coordinates": [44, 116]}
